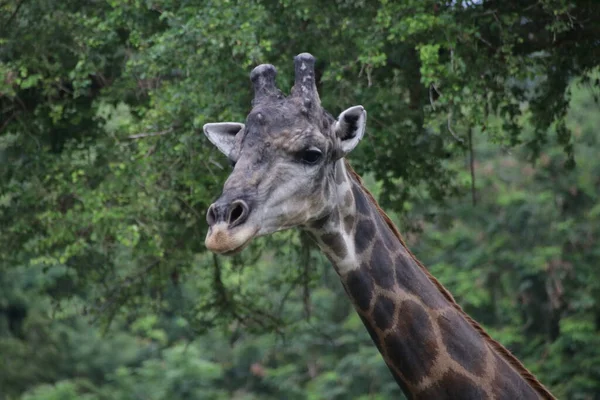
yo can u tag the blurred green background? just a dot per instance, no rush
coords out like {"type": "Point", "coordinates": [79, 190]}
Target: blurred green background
{"type": "Point", "coordinates": [482, 143]}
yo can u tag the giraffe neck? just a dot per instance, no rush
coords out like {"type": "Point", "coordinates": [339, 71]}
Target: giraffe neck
{"type": "Point", "coordinates": [432, 348]}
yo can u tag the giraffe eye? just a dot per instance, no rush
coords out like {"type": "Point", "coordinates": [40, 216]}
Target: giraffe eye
{"type": "Point", "coordinates": [310, 156]}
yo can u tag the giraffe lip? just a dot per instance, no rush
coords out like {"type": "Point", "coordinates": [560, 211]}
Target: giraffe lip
{"type": "Point", "coordinates": [238, 249]}
{"type": "Point", "coordinates": [227, 241]}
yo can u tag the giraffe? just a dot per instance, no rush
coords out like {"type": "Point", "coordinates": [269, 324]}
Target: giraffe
{"type": "Point", "coordinates": [290, 170]}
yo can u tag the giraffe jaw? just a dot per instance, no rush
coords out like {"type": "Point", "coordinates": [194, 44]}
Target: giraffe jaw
{"type": "Point", "coordinates": [222, 240]}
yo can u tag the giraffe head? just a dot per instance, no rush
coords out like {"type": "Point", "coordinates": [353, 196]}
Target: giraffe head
{"type": "Point", "coordinates": [283, 159]}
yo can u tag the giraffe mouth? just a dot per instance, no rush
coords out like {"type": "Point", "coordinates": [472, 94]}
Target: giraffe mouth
{"type": "Point", "coordinates": [222, 240]}
{"type": "Point", "coordinates": [237, 250]}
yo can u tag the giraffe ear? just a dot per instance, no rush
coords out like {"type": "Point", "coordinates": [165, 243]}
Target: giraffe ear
{"type": "Point", "coordinates": [350, 127]}
{"type": "Point", "coordinates": [222, 134]}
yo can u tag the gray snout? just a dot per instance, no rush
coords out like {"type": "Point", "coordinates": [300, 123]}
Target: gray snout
{"type": "Point", "coordinates": [231, 212]}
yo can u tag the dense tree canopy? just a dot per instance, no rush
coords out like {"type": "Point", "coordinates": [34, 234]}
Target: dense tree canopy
{"type": "Point", "coordinates": [481, 141]}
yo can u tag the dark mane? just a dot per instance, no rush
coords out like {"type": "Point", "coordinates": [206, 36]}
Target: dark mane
{"type": "Point", "coordinates": [499, 348]}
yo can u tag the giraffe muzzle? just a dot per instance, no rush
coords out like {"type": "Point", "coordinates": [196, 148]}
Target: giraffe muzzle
{"type": "Point", "coordinates": [227, 232]}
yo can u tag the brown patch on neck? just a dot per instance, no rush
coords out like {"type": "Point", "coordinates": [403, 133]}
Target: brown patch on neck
{"type": "Point", "coordinates": [495, 345]}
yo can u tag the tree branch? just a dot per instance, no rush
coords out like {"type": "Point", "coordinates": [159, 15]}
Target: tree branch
{"type": "Point", "coordinates": [14, 14]}
{"type": "Point", "coordinates": [451, 130]}
{"type": "Point", "coordinates": [472, 166]}
{"type": "Point", "coordinates": [306, 275]}
{"type": "Point", "coordinates": [148, 134]}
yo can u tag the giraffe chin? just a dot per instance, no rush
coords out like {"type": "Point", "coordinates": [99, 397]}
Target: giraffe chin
{"type": "Point", "coordinates": [224, 241]}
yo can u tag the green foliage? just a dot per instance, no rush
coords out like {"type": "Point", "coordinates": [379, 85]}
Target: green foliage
{"type": "Point", "coordinates": [521, 260]}
{"type": "Point", "coordinates": [106, 289]}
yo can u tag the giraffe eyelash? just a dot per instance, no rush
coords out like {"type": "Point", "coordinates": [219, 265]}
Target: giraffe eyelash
{"type": "Point", "coordinates": [310, 156]}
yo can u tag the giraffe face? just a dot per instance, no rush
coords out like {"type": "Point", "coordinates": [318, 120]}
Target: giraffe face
{"type": "Point", "coordinates": [284, 175]}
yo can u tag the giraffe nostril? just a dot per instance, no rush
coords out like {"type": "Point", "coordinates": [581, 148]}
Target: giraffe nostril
{"type": "Point", "coordinates": [211, 215]}
{"type": "Point", "coordinates": [238, 212]}
{"type": "Point", "coordinates": [234, 213]}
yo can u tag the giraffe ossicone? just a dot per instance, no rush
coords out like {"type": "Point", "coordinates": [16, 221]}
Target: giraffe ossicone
{"type": "Point", "coordinates": [290, 171]}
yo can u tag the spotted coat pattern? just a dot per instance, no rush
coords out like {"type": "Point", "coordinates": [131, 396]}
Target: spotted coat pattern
{"type": "Point", "coordinates": [431, 349]}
